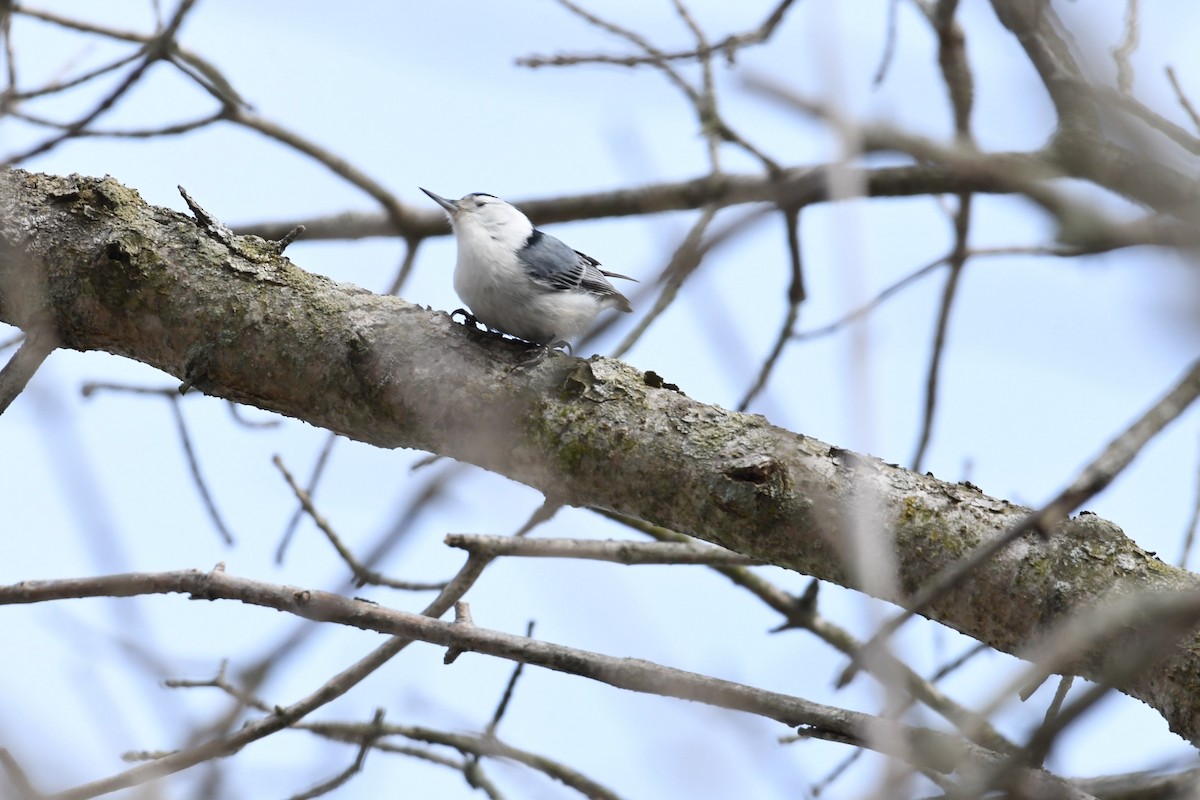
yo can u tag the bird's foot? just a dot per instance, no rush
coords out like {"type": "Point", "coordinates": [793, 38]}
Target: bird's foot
{"type": "Point", "coordinates": [537, 354]}
{"type": "Point", "coordinates": [469, 319]}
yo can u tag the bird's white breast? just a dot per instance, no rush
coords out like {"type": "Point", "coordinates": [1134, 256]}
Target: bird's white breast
{"type": "Point", "coordinates": [496, 287]}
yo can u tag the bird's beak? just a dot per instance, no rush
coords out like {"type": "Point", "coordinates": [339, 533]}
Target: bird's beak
{"type": "Point", "coordinates": [449, 205]}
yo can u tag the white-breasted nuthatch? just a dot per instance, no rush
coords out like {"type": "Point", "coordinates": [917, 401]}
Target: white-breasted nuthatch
{"type": "Point", "coordinates": [520, 281]}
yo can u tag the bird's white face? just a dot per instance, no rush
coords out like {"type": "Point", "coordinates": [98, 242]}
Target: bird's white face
{"type": "Point", "coordinates": [492, 217]}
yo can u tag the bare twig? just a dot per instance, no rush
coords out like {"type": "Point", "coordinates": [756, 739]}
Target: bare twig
{"type": "Point", "coordinates": [210, 504]}
{"type": "Point", "coordinates": [411, 245]}
{"type": "Point", "coordinates": [929, 749]}
{"type": "Point", "coordinates": [801, 612]}
{"type": "Point", "coordinates": [362, 574]}
{"type": "Point", "coordinates": [889, 43]}
{"type": "Point", "coordinates": [313, 479]}
{"type": "Point", "coordinates": [374, 731]}
{"type": "Point", "coordinates": [618, 552]}
{"type": "Point", "coordinates": [543, 513]}
{"type": "Point", "coordinates": [39, 343]}
{"type": "Point", "coordinates": [509, 688]}
{"type": "Point", "coordinates": [957, 262]}
{"type": "Point", "coordinates": [281, 717]}
{"type": "Point", "coordinates": [908, 280]}
{"type": "Point", "coordinates": [796, 296]}
{"type": "Point", "coordinates": [82, 26]}
{"type": "Point", "coordinates": [1055, 707]}
{"type": "Point", "coordinates": [399, 215]}
{"type": "Point", "coordinates": [1183, 98]}
{"type": "Point", "coordinates": [703, 98]}
{"type": "Point", "coordinates": [476, 746]}
{"type": "Point", "coordinates": [235, 411]}
{"type": "Point", "coordinates": [60, 86]}
{"type": "Point", "coordinates": [185, 439]}
{"type": "Point", "coordinates": [17, 777]}
{"type": "Point", "coordinates": [1193, 523]}
{"type": "Point", "coordinates": [727, 46]}
{"type": "Point", "coordinates": [156, 49]}
{"type": "Point", "coordinates": [684, 262]}
{"type": "Point", "coordinates": [1122, 53]}
{"type": "Point", "coordinates": [956, 69]}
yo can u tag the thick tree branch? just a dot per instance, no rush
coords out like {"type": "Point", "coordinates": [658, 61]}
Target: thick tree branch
{"type": "Point", "coordinates": [242, 323]}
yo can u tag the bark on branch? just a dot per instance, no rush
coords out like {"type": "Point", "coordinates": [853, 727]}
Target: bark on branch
{"type": "Point", "coordinates": [238, 321]}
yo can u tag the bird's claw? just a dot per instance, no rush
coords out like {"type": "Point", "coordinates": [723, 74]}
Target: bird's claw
{"type": "Point", "coordinates": [468, 318]}
{"type": "Point", "coordinates": [537, 354]}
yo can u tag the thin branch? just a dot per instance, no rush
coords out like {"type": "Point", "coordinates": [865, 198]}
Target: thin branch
{"type": "Point", "coordinates": [506, 698]}
{"type": "Point", "coordinates": [10, 58]}
{"type": "Point", "coordinates": [727, 46]}
{"type": "Point", "coordinates": [1192, 525]}
{"type": "Point", "coordinates": [1140, 111]}
{"type": "Point", "coordinates": [796, 296]}
{"type": "Point", "coordinates": [193, 462]}
{"type": "Point", "coordinates": [617, 552]}
{"type": "Point", "coordinates": [313, 479]}
{"type": "Point", "coordinates": [957, 262]}
{"type": "Point", "coordinates": [927, 748]}
{"type": "Point", "coordinates": [39, 343]}
{"type": "Point", "coordinates": [173, 399]}
{"type": "Point", "coordinates": [1183, 98]}
{"type": "Point", "coordinates": [399, 216]}
{"type": "Point", "coordinates": [1122, 53]}
{"type": "Point", "coordinates": [684, 262]}
{"type": "Point", "coordinates": [283, 716]}
{"type": "Point", "coordinates": [800, 612]}
{"type": "Point", "coordinates": [235, 411]}
{"type": "Point", "coordinates": [703, 99]}
{"type": "Point", "coordinates": [153, 51]}
{"type": "Point", "coordinates": [373, 732]}
{"type": "Point", "coordinates": [543, 513]}
{"type": "Point", "coordinates": [654, 57]}
{"type": "Point", "coordinates": [220, 681]}
{"type": "Point", "coordinates": [362, 574]}
{"type": "Point", "coordinates": [889, 43]}
{"type": "Point", "coordinates": [83, 27]}
{"type": "Point", "coordinates": [411, 245]}
{"type": "Point", "coordinates": [173, 129]}
{"type": "Point", "coordinates": [59, 86]}
{"type": "Point", "coordinates": [913, 277]}
{"type": "Point", "coordinates": [1055, 707]}
{"type": "Point", "coordinates": [476, 746]}
{"type": "Point", "coordinates": [17, 777]}
{"type": "Point", "coordinates": [956, 69]}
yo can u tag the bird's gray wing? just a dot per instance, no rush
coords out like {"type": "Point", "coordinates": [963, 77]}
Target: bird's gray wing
{"type": "Point", "coordinates": [550, 262]}
{"type": "Point", "coordinates": [556, 266]}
